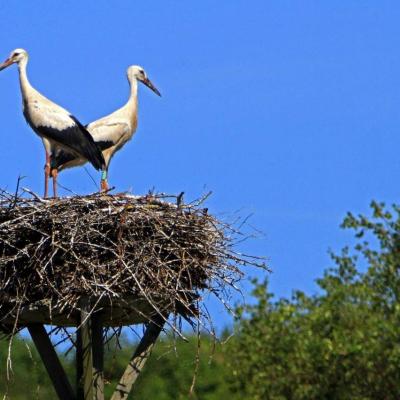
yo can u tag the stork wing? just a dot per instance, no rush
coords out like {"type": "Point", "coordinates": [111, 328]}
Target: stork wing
{"type": "Point", "coordinates": [105, 134]}
{"type": "Point", "coordinates": [108, 133]}
{"type": "Point", "coordinates": [56, 124]}
{"type": "Point", "coordinates": [62, 158]}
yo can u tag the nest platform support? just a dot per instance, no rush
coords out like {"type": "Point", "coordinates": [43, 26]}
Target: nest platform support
{"type": "Point", "coordinates": [51, 362]}
{"type": "Point", "coordinates": [139, 358]}
{"type": "Point", "coordinates": [102, 262]}
{"type": "Point", "coordinates": [89, 358]}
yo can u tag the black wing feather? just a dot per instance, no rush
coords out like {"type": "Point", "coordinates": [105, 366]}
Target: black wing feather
{"type": "Point", "coordinates": [62, 156]}
{"type": "Point", "coordinates": [105, 144]}
{"type": "Point", "coordinates": [78, 139]}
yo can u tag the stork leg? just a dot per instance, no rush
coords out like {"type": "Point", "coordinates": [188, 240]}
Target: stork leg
{"type": "Point", "coordinates": [54, 175]}
{"type": "Point", "coordinates": [46, 175]}
{"type": "Point", "coordinates": [103, 182]}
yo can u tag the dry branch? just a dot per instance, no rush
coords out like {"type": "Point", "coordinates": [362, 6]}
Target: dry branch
{"type": "Point", "coordinates": [131, 256]}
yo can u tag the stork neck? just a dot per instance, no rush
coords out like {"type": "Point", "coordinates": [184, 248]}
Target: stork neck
{"type": "Point", "coordinates": [131, 106]}
{"type": "Point", "coordinates": [23, 78]}
{"type": "Point", "coordinates": [134, 90]}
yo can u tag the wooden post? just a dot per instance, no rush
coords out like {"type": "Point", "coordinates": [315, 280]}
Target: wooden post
{"type": "Point", "coordinates": [139, 358]}
{"type": "Point", "coordinates": [84, 355]}
{"type": "Point", "coordinates": [98, 356]}
{"type": "Point", "coordinates": [79, 366]}
{"type": "Point", "coordinates": [90, 355]}
{"type": "Point", "coordinates": [51, 362]}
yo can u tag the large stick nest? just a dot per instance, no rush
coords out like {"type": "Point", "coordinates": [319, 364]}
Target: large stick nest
{"type": "Point", "coordinates": [146, 252]}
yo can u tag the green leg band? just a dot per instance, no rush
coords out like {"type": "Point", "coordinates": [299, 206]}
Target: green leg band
{"type": "Point", "coordinates": [104, 175]}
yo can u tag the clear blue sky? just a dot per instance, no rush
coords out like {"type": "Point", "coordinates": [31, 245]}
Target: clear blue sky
{"type": "Point", "coordinates": [285, 109]}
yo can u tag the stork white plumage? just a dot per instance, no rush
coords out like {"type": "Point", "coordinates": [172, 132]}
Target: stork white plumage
{"type": "Point", "coordinates": [110, 132]}
{"type": "Point", "coordinates": [55, 125]}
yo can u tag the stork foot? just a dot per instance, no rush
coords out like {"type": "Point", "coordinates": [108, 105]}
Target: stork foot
{"type": "Point", "coordinates": [104, 185]}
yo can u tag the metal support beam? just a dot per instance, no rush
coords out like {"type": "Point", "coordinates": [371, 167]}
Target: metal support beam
{"type": "Point", "coordinates": [139, 358]}
{"type": "Point", "coordinates": [51, 362]}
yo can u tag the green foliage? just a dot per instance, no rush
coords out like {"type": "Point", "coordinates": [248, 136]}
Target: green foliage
{"type": "Point", "coordinates": [343, 343]}
{"type": "Point", "coordinates": [174, 370]}
{"type": "Point", "coordinates": [168, 373]}
{"type": "Point", "coordinates": [28, 378]}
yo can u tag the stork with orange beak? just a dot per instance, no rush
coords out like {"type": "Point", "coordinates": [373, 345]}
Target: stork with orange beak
{"type": "Point", "coordinates": [54, 124]}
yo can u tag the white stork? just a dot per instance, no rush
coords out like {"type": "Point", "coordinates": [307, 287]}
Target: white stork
{"type": "Point", "coordinates": [110, 132]}
{"type": "Point", "coordinates": [55, 125]}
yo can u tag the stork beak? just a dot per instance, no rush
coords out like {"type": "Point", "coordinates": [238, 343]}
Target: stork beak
{"type": "Point", "coordinates": [148, 83]}
{"type": "Point", "coordinates": [6, 63]}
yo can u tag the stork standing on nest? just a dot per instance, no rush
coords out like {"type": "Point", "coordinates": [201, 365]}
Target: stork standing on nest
{"type": "Point", "coordinates": [55, 125]}
{"type": "Point", "coordinates": [110, 132]}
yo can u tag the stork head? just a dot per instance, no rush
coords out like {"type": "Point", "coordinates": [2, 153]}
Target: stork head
{"type": "Point", "coordinates": [137, 72]}
{"type": "Point", "coordinates": [16, 56]}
